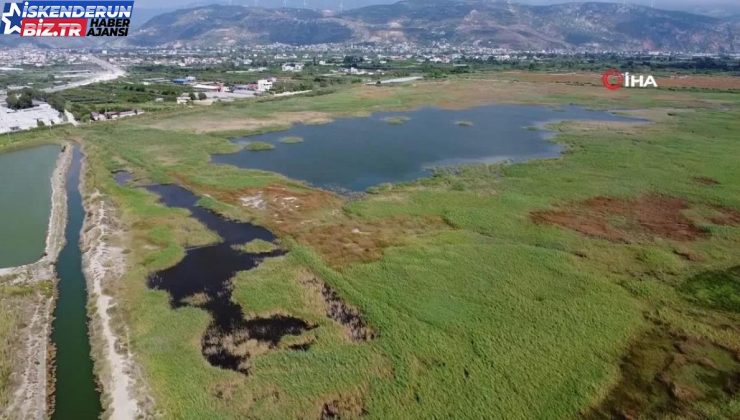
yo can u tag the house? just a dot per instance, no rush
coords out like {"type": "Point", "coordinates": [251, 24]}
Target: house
{"type": "Point", "coordinates": [113, 115]}
{"type": "Point", "coordinates": [263, 85]}
{"type": "Point", "coordinates": [293, 67]}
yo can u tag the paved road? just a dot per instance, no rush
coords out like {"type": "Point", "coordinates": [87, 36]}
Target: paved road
{"type": "Point", "coordinates": [109, 72]}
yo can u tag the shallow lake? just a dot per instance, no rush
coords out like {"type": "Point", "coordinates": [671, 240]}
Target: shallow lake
{"type": "Point", "coordinates": [356, 153]}
{"type": "Point", "coordinates": [25, 203]}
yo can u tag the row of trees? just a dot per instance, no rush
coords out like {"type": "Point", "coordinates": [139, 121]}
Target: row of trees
{"type": "Point", "coordinates": [23, 99]}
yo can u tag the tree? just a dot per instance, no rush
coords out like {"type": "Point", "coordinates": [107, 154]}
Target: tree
{"type": "Point", "coordinates": [192, 96]}
{"type": "Point", "coordinates": [56, 102]}
{"type": "Point", "coordinates": [20, 100]}
{"type": "Point", "coordinates": [201, 96]}
{"type": "Point", "coordinates": [353, 60]}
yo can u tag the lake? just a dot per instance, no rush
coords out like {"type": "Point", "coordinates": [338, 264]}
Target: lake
{"type": "Point", "coordinates": [352, 154]}
{"type": "Point", "coordinates": [25, 203]}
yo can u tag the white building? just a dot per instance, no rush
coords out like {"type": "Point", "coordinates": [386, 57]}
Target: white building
{"type": "Point", "coordinates": [293, 67]}
{"type": "Point", "coordinates": [263, 85]}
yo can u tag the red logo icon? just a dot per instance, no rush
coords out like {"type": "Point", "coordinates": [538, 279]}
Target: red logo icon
{"type": "Point", "coordinates": [612, 79]}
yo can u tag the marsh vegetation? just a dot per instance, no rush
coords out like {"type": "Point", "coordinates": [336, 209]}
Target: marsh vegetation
{"type": "Point", "coordinates": [397, 120]}
{"type": "Point", "coordinates": [291, 140]}
{"type": "Point", "coordinates": [259, 146]}
{"type": "Point", "coordinates": [433, 264]}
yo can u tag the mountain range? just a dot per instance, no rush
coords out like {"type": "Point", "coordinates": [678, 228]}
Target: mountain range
{"type": "Point", "coordinates": [586, 26]}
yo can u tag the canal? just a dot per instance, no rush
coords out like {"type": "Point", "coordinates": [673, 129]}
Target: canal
{"type": "Point", "coordinates": [76, 393]}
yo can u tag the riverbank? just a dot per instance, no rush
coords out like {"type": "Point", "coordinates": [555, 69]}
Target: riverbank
{"type": "Point", "coordinates": [104, 263]}
{"type": "Point", "coordinates": [29, 375]}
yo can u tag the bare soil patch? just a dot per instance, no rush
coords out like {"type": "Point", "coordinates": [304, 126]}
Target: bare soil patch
{"type": "Point", "coordinates": [626, 220]}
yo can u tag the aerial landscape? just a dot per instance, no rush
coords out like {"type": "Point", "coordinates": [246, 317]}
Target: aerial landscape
{"type": "Point", "coordinates": [370, 209]}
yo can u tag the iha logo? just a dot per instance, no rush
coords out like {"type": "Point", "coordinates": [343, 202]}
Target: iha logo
{"type": "Point", "coordinates": [614, 80]}
{"type": "Point", "coordinates": [67, 18]}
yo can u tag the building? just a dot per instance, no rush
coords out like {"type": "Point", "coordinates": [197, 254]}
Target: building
{"type": "Point", "coordinates": [114, 115]}
{"type": "Point", "coordinates": [212, 87]}
{"type": "Point", "coordinates": [264, 85]}
{"type": "Point", "coordinates": [184, 81]}
{"type": "Point", "coordinates": [293, 67]}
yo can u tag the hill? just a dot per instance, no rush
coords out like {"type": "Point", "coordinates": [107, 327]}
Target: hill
{"type": "Point", "coordinates": [594, 26]}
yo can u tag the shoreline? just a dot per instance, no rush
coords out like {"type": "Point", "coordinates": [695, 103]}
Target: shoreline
{"type": "Point", "coordinates": [103, 264]}
{"type": "Point", "coordinates": [29, 400]}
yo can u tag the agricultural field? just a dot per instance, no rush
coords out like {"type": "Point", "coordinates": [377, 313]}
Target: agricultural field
{"type": "Point", "coordinates": [597, 284]}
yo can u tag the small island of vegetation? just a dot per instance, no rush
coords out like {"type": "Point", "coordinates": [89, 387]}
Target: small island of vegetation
{"type": "Point", "coordinates": [259, 146]}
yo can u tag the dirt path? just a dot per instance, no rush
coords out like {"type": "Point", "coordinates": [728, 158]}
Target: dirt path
{"type": "Point", "coordinates": [29, 400]}
{"type": "Point", "coordinates": [104, 264]}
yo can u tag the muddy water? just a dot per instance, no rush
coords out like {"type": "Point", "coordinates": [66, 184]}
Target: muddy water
{"type": "Point", "coordinates": [203, 280]}
{"type": "Point", "coordinates": [76, 394]}
{"type": "Point", "coordinates": [356, 153]}
{"type": "Point", "coordinates": [25, 203]}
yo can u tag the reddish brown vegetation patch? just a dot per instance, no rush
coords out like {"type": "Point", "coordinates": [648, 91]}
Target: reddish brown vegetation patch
{"type": "Point", "coordinates": [704, 180]}
{"type": "Point", "coordinates": [725, 216]}
{"type": "Point", "coordinates": [350, 241]}
{"type": "Point", "coordinates": [350, 406]}
{"type": "Point", "coordinates": [316, 218]}
{"type": "Point", "coordinates": [665, 375]}
{"type": "Point", "coordinates": [626, 220]}
{"type": "Point", "coordinates": [281, 204]}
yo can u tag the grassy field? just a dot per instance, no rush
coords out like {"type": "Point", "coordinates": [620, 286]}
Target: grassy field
{"type": "Point", "coordinates": [486, 312]}
{"type": "Point", "coordinates": [17, 305]}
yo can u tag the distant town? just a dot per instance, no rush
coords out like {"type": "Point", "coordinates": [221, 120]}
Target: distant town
{"type": "Point", "coordinates": [43, 87]}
